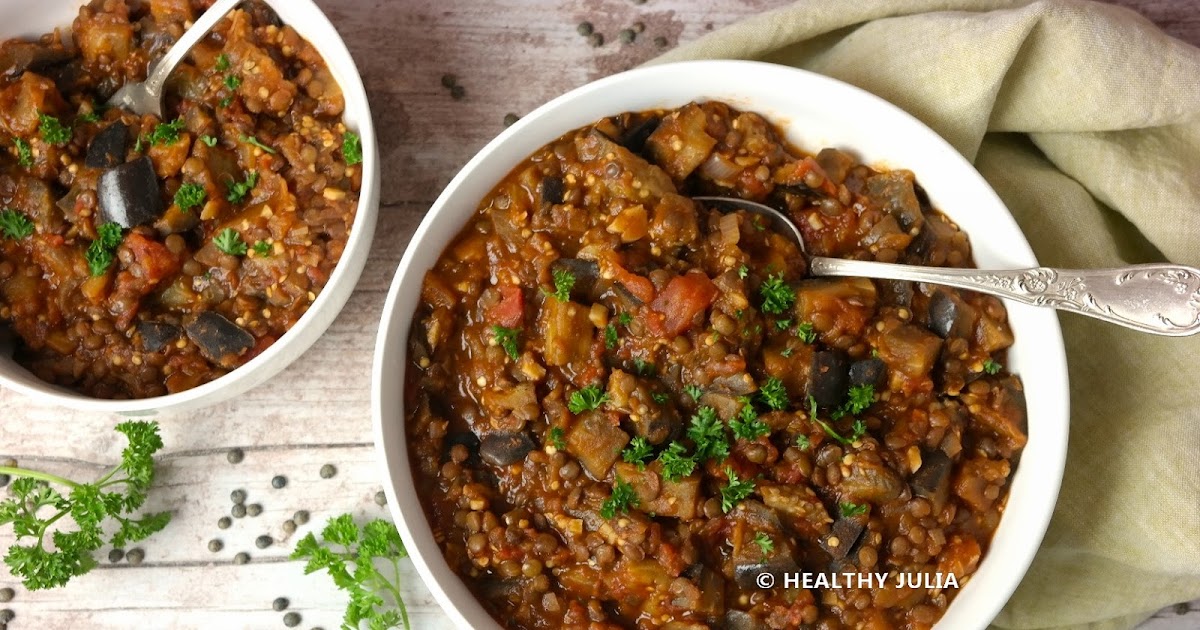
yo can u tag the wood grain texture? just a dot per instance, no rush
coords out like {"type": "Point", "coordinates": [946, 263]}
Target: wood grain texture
{"type": "Point", "coordinates": [510, 56]}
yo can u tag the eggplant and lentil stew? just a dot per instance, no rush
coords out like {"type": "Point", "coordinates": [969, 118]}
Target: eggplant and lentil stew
{"type": "Point", "coordinates": [139, 256]}
{"type": "Point", "coordinates": [624, 406]}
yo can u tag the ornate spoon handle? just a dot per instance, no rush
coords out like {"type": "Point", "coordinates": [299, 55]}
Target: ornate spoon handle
{"type": "Point", "coordinates": [1160, 299]}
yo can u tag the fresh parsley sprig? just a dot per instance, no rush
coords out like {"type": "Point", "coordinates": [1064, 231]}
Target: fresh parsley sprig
{"type": "Point", "coordinates": [564, 281]}
{"type": "Point", "coordinates": [777, 296]}
{"type": "Point", "coordinates": [587, 399]}
{"type": "Point", "coordinates": [622, 499]}
{"type": "Point", "coordinates": [111, 499]}
{"type": "Point", "coordinates": [708, 432]}
{"type": "Point", "coordinates": [352, 557]}
{"type": "Point", "coordinates": [637, 452]}
{"type": "Point", "coordinates": [735, 490]}
{"type": "Point", "coordinates": [229, 241]}
{"type": "Point", "coordinates": [351, 148]}
{"type": "Point", "coordinates": [509, 340]}
{"type": "Point", "coordinates": [103, 251]}
{"type": "Point", "coordinates": [15, 225]}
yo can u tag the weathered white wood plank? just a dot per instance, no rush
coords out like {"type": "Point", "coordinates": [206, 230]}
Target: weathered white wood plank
{"type": "Point", "coordinates": [510, 56]}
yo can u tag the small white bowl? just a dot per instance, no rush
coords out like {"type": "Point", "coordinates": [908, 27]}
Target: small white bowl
{"type": "Point", "coordinates": [815, 111]}
{"type": "Point", "coordinates": [32, 18]}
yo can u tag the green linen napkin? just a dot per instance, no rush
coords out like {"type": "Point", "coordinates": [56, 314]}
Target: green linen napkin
{"type": "Point", "coordinates": [1085, 118]}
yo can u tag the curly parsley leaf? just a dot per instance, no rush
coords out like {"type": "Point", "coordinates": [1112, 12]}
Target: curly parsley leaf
{"type": "Point", "coordinates": [852, 509]}
{"type": "Point", "coordinates": [806, 332]}
{"type": "Point", "coordinates": [15, 225]}
{"type": "Point", "coordinates": [747, 426]}
{"type": "Point", "coordinates": [675, 464]}
{"type": "Point", "coordinates": [803, 442]}
{"type": "Point", "coordinates": [230, 242]}
{"type": "Point", "coordinates": [777, 296]}
{"type": "Point", "coordinates": [239, 190]}
{"type": "Point", "coordinates": [24, 152]}
{"type": "Point", "coordinates": [991, 367]}
{"type": "Point", "coordinates": [621, 500]}
{"type": "Point", "coordinates": [564, 281]}
{"type": "Point", "coordinates": [557, 438]}
{"type": "Point", "coordinates": [507, 338]}
{"type": "Point", "coordinates": [708, 432]}
{"type": "Point", "coordinates": [351, 148]}
{"type": "Point", "coordinates": [610, 337]}
{"type": "Point", "coordinates": [233, 81]}
{"type": "Point", "coordinates": [587, 399]}
{"type": "Point", "coordinates": [166, 133]}
{"type": "Point", "coordinates": [637, 452]}
{"type": "Point", "coordinates": [694, 391]}
{"type": "Point", "coordinates": [222, 63]}
{"type": "Point", "coordinates": [103, 251]}
{"type": "Point", "coordinates": [53, 131]}
{"type": "Point", "coordinates": [262, 249]}
{"type": "Point", "coordinates": [190, 195]}
{"type": "Point", "coordinates": [764, 543]}
{"type": "Point", "coordinates": [773, 394]}
{"type": "Point", "coordinates": [735, 490]}
{"type": "Point", "coordinates": [352, 558]}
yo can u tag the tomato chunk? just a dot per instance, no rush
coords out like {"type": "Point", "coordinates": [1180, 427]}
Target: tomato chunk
{"type": "Point", "coordinates": [684, 297]}
{"type": "Point", "coordinates": [509, 311]}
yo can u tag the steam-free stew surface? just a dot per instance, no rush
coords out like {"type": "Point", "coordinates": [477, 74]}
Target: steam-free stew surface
{"type": "Point", "coordinates": [623, 407]}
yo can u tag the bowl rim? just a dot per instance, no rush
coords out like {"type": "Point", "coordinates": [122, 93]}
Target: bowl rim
{"type": "Point", "coordinates": [314, 26]}
{"type": "Point", "coordinates": [449, 589]}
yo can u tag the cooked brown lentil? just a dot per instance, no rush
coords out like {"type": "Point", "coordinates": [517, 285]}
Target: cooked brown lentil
{"type": "Point", "coordinates": [591, 302]}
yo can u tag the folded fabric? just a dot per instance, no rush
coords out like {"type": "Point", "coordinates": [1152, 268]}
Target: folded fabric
{"type": "Point", "coordinates": [1085, 118]}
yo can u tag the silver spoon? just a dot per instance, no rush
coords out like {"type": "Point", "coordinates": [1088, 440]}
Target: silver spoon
{"type": "Point", "coordinates": [1162, 299]}
{"type": "Point", "coordinates": [147, 97]}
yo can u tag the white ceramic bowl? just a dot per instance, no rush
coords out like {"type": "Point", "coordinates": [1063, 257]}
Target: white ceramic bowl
{"type": "Point", "coordinates": [31, 18]}
{"type": "Point", "coordinates": [816, 112]}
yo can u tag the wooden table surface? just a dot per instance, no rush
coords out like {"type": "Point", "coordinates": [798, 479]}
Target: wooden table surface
{"type": "Point", "coordinates": [510, 56]}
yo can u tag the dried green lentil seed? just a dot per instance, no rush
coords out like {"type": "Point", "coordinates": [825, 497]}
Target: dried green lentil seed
{"type": "Point", "coordinates": [215, 545]}
{"type": "Point", "coordinates": [241, 558]}
{"type": "Point", "coordinates": [237, 496]}
{"type": "Point", "coordinates": [585, 29]}
{"type": "Point", "coordinates": [224, 522]}
{"type": "Point", "coordinates": [254, 509]}
{"type": "Point", "coordinates": [289, 527]}
{"type": "Point", "coordinates": [4, 480]}
{"type": "Point", "coordinates": [135, 556]}
{"type": "Point", "coordinates": [291, 619]}
{"type": "Point", "coordinates": [238, 511]}
{"type": "Point", "coordinates": [596, 40]}
{"type": "Point", "coordinates": [328, 471]}
{"type": "Point", "coordinates": [380, 498]}
{"type": "Point", "coordinates": [301, 517]}
{"type": "Point", "coordinates": [280, 604]}
{"type": "Point", "coordinates": [278, 482]}
{"type": "Point", "coordinates": [116, 555]}
{"type": "Point", "coordinates": [264, 541]}
{"type": "Point", "coordinates": [627, 36]}
{"type": "Point", "coordinates": [7, 595]}
{"type": "Point", "coordinates": [458, 92]}
{"type": "Point", "coordinates": [449, 80]}
{"type": "Point", "coordinates": [7, 615]}
{"type": "Point", "coordinates": [235, 456]}
{"type": "Point", "coordinates": [639, 27]}
{"type": "Point", "coordinates": [511, 119]}
{"type": "Point", "coordinates": [661, 42]}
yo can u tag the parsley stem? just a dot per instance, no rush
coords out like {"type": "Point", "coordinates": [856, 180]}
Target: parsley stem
{"type": "Point", "coordinates": [37, 474]}
{"type": "Point", "coordinates": [396, 591]}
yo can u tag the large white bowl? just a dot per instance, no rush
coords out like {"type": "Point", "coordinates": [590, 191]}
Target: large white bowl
{"type": "Point", "coordinates": [31, 18]}
{"type": "Point", "coordinates": [815, 111]}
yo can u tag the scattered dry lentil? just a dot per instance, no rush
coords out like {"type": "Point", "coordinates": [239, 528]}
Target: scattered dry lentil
{"type": "Point", "coordinates": [237, 496]}
{"type": "Point", "coordinates": [254, 509]}
{"type": "Point", "coordinates": [585, 29]}
{"type": "Point", "coordinates": [661, 42]}
{"type": "Point", "coordinates": [235, 456]}
{"type": "Point", "coordinates": [380, 498]}
{"type": "Point", "coordinates": [449, 80]}
{"type": "Point", "coordinates": [596, 40]}
{"type": "Point", "coordinates": [224, 522]}
{"type": "Point", "coordinates": [511, 119]}
{"type": "Point", "coordinates": [278, 482]}
{"type": "Point", "coordinates": [328, 471]}
{"type": "Point", "coordinates": [7, 615]}
{"type": "Point", "coordinates": [238, 511]}
{"type": "Point", "coordinates": [289, 527]}
{"type": "Point", "coordinates": [280, 604]}
{"type": "Point", "coordinates": [241, 558]}
{"type": "Point", "coordinates": [301, 517]}
{"type": "Point", "coordinates": [291, 619]}
{"type": "Point", "coordinates": [215, 545]}
{"type": "Point", "coordinates": [458, 92]}
{"type": "Point", "coordinates": [264, 541]}
{"type": "Point", "coordinates": [627, 36]}
{"type": "Point", "coordinates": [7, 595]}
{"type": "Point", "coordinates": [116, 555]}
{"type": "Point", "coordinates": [135, 556]}
{"type": "Point", "coordinates": [639, 27]}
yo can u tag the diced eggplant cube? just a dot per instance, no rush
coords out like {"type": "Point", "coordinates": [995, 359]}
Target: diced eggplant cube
{"type": "Point", "coordinates": [220, 340]}
{"type": "Point", "coordinates": [586, 274]}
{"type": "Point", "coordinates": [950, 315]}
{"type": "Point", "coordinates": [130, 194]}
{"type": "Point", "coordinates": [108, 147]}
{"type": "Point", "coordinates": [157, 335]}
{"type": "Point", "coordinates": [843, 537]}
{"type": "Point", "coordinates": [932, 480]}
{"type": "Point", "coordinates": [552, 189]}
{"type": "Point", "coordinates": [829, 379]}
{"type": "Point", "coordinates": [871, 372]}
{"type": "Point", "coordinates": [503, 449]}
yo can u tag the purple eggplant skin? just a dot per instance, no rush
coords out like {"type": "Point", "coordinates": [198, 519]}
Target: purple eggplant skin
{"type": "Point", "coordinates": [220, 340]}
{"type": "Point", "coordinates": [829, 379]}
{"type": "Point", "coordinates": [130, 194]}
{"type": "Point", "coordinates": [157, 335]}
{"type": "Point", "coordinates": [503, 449]}
{"type": "Point", "coordinates": [932, 480]}
{"type": "Point", "coordinates": [108, 147]}
{"type": "Point", "coordinates": [871, 372]}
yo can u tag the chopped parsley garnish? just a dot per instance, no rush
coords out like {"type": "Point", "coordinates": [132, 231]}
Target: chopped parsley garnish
{"type": "Point", "coordinates": [733, 492]}
{"type": "Point", "coordinates": [859, 429]}
{"type": "Point", "coordinates": [258, 143]}
{"type": "Point", "coordinates": [189, 196]}
{"type": "Point", "coordinates": [777, 296]}
{"type": "Point", "coordinates": [743, 271]}
{"type": "Point", "coordinates": [557, 438]}
{"type": "Point", "coordinates": [708, 432]}
{"type": "Point", "coordinates": [764, 542]}
{"type": "Point", "coordinates": [564, 281]}
{"type": "Point", "coordinates": [226, 102]}
{"type": "Point", "coordinates": [351, 148]}
{"type": "Point", "coordinates": [230, 242]}
{"type": "Point", "coordinates": [101, 253]}
{"type": "Point", "coordinates": [694, 391]}
{"type": "Point", "coordinates": [233, 81]}
{"type": "Point", "coordinates": [786, 352]}
{"type": "Point", "coordinates": [859, 398]}
{"type": "Point", "coordinates": [624, 318]}
{"type": "Point", "coordinates": [812, 414]}
{"type": "Point", "coordinates": [676, 465]}
{"type": "Point", "coordinates": [610, 336]}
{"type": "Point", "coordinates": [15, 225]}
{"type": "Point", "coordinates": [991, 367]}
{"type": "Point", "coordinates": [89, 117]}
{"type": "Point", "coordinates": [636, 453]}
{"type": "Point", "coordinates": [773, 394]}
{"type": "Point", "coordinates": [660, 398]}
{"type": "Point", "coordinates": [239, 190]}
{"type": "Point", "coordinates": [210, 141]}
{"type": "Point", "coordinates": [222, 63]}
{"type": "Point", "coordinates": [506, 338]}
{"type": "Point", "coordinates": [24, 152]}
{"type": "Point", "coordinates": [806, 332]}
{"type": "Point", "coordinates": [852, 509]}
{"type": "Point", "coordinates": [587, 399]}
{"type": "Point", "coordinates": [166, 133]}
{"type": "Point", "coordinates": [623, 497]}
{"type": "Point", "coordinates": [783, 324]}
{"type": "Point", "coordinates": [53, 131]}
{"type": "Point", "coordinates": [747, 426]}
{"type": "Point", "coordinates": [803, 443]}
{"type": "Point", "coordinates": [262, 249]}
